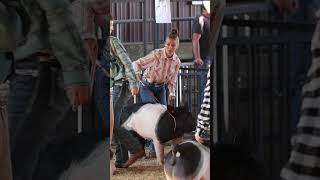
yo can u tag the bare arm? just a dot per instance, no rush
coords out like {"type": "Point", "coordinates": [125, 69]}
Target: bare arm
{"type": "Point", "coordinates": [195, 45]}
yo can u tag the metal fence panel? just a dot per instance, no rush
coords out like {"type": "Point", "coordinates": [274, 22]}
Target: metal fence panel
{"type": "Point", "coordinates": [259, 70]}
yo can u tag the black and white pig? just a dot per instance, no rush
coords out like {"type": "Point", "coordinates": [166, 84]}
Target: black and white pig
{"type": "Point", "coordinates": [158, 122]}
{"type": "Point", "coordinates": [188, 161]}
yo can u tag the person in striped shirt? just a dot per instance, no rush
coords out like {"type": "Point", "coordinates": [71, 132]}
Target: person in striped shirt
{"type": "Point", "coordinates": [304, 160]}
{"type": "Point", "coordinates": [203, 122]}
{"type": "Point", "coordinates": [161, 69]}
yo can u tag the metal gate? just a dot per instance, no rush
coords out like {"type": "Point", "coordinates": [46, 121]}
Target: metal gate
{"type": "Point", "coordinates": [255, 78]}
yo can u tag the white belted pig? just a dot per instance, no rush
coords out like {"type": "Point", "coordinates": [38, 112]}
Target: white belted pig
{"type": "Point", "coordinates": [158, 122]}
{"type": "Point", "coordinates": [188, 161]}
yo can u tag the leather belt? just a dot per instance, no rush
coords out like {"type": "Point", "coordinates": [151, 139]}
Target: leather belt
{"type": "Point", "coordinates": [152, 84]}
{"type": "Point", "coordinates": [42, 57]}
{"type": "Point", "coordinates": [120, 82]}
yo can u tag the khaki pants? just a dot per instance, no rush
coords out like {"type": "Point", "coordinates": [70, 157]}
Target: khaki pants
{"type": "Point", "coordinates": [5, 162]}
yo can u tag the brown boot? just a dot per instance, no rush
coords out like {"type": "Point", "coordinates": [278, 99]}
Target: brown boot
{"type": "Point", "coordinates": [134, 157]}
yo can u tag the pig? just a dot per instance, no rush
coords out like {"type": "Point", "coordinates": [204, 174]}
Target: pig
{"type": "Point", "coordinates": [188, 161]}
{"type": "Point", "coordinates": [158, 122]}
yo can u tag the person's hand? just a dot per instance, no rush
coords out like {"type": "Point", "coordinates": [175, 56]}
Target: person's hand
{"type": "Point", "coordinates": [286, 6]}
{"type": "Point", "coordinates": [78, 95]}
{"type": "Point", "coordinates": [91, 46]}
{"type": "Point", "coordinates": [134, 91]}
{"type": "Point", "coordinates": [199, 139]}
{"type": "Point", "coordinates": [171, 98]}
{"type": "Point", "coordinates": [198, 61]}
{"type": "Point", "coordinates": [138, 77]}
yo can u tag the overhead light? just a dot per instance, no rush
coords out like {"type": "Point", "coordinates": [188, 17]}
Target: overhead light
{"type": "Point", "coordinates": [197, 2]}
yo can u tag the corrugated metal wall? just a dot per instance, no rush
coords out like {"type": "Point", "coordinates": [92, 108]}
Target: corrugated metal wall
{"type": "Point", "coordinates": [133, 32]}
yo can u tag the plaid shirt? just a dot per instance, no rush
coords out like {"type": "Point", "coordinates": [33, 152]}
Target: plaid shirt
{"type": "Point", "coordinates": [119, 52]}
{"type": "Point", "coordinates": [52, 30]}
{"type": "Point", "coordinates": [88, 14]}
{"type": "Point", "coordinates": [159, 69]}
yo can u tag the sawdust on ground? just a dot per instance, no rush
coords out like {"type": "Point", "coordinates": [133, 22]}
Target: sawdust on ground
{"type": "Point", "coordinates": [143, 169]}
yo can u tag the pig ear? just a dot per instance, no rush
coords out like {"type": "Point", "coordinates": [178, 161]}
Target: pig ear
{"type": "Point", "coordinates": [174, 149]}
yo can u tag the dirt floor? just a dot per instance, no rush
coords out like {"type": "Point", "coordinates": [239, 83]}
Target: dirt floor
{"type": "Point", "coordinates": [143, 169]}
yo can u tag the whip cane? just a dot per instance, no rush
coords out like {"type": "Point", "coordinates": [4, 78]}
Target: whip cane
{"type": "Point", "coordinates": [79, 118]}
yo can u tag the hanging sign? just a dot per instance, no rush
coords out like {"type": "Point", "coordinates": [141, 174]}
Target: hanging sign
{"type": "Point", "coordinates": [163, 11]}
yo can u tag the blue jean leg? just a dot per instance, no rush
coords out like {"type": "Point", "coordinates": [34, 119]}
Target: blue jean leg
{"type": "Point", "coordinates": [102, 95]}
{"type": "Point", "coordinates": [5, 160]}
{"type": "Point", "coordinates": [37, 103]}
{"type": "Point", "coordinates": [202, 76]}
{"type": "Point", "coordinates": [121, 95]}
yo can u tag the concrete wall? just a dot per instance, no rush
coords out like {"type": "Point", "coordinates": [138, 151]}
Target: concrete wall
{"type": "Point", "coordinates": [135, 50]}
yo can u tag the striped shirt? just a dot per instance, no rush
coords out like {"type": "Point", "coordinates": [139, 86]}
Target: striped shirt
{"type": "Point", "coordinates": [304, 162]}
{"type": "Point", "coordinates": [159, 68]}
{"type": "Point", "coordinates": [203, 122]}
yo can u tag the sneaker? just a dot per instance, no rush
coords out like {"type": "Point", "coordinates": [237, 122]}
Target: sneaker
{"type": "Point", "coordinates": [119, 165]}
{"type": "Point", "coordinates": [151, 155]}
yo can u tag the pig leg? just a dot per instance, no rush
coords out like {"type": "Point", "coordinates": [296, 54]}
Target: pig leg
{"type": "Point", "coordinates": [177, 140]}
{"type": "Point", "coordinates": [159, 151]}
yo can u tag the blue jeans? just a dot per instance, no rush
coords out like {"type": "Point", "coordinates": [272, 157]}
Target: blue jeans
{"type": "Point", "coordinates": [5, 160]}
{"type": "Point", "coordinates": [37, 103]}
{"type": "Point", "coordinates": [148, 93]}
{"type": "Point", "coordinates": [202, 76]}
{"type": "Point", "coordinates": [102, 94]}
{"type": "Point", "coordinates": [121, 95]}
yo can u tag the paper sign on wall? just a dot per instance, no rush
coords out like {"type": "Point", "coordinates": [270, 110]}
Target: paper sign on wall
{"type": "Point", "coordinates": [163, 11]}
